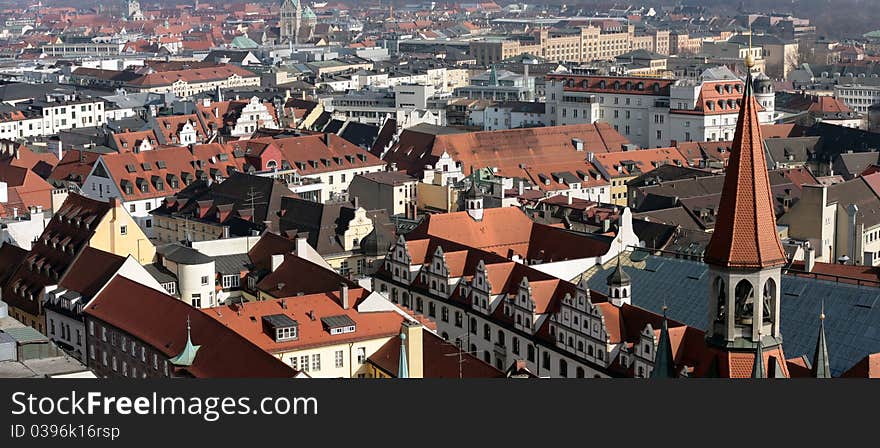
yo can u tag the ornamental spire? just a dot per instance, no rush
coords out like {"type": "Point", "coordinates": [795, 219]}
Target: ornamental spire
{"type": "Point", "coordinates": [745, 233]}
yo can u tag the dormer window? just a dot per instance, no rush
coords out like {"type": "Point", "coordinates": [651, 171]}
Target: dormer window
{"type": "Point", "coordinates": [281, 327]}
{"type": "Point", "coordinates": [340, 324]}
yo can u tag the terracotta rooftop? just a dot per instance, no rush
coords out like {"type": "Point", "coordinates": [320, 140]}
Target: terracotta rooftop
{"type": "Point", "coordinates": [745, 232]}
{"type": "Point", "coordinates": [223, 352]}
{"type": "Point", "coordinates": [307, 311]}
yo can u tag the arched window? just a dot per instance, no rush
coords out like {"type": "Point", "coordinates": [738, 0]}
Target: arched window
{"type": "Point", "coordinates": [563, 368]}
{"type": "Point", "coordinates": [720, 291]}
{"type": "Point", "coordinates": [473, 326]}
{"type": "Point", "coordinates": [624, 293]}
{"type": "Point", "coordinates": [570, 341]}
{"type": "Point", "coordinates": [418, 304]}
{"type": "Point", "coordinates": [500, 338]}
{"type": "Point", "coordinates": [580, 346]}
{"type": "Point", "coordinates": [445, 336]}
{"type": "Point", "coordinates": [487, 356]}
{"type": "Point", "coordinates": [744, 295]}
{"type": "Point", "coordinates": [580, 372]}
{"type": "Point", "coordinates": [487, 332]}
{"type": "Point", "coordinates": [473, 349]}
{"type": "Point", "coordinates": [589, 350]}
{"type": "Point", "coordinates": [519, 319]}
{"type": "Point", "coordinates": [769, 300]}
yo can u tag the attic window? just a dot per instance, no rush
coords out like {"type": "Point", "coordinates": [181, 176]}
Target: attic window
{"type": "Point", "coordinates": [160, 164]}
{"type": "Point", "coordinates": [146, 166]}
{"type": "Point", "coordinates": [280, 327]}
{"type": "Point", "coordinates": [340, 324]}
{"type": "Point", "coordinates": [130, 168]}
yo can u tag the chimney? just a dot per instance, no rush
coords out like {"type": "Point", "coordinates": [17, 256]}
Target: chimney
{"type": "Point", "coordinates": [343, 295]}
{"type": "Point", "coordinates": [225, 231]}
{"type": "Point", "coordinates": [521, 188]}
{"type": "Point", "coordinates": [415, 363]}
{"type": "Point", "coordinates": [301, 244]}
{"type": "Point", "coordinates": [357, 202]}
{"type": "Point", "coordinates": [809, 258]}
{"type": "Point", "coordinates": [569, 199]}
{"type": "Point", "coordinates": [277, 259]}
{"type": "Point", "coordinates": [15, 212]}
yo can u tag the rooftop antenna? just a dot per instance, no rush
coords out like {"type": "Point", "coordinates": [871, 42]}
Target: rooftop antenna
{"type": "Point", "coordinates": [460, 354]}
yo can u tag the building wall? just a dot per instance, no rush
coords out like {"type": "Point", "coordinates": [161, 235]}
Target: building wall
{"type": "Point", "coordinates": [112, 353]}
{"type": "Point", "coordinates": [325, 358]}
{"type": "Point", "coordinates": [120, 234]}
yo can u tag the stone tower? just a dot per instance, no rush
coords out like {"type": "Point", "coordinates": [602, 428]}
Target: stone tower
{"type": "Point", "coordinates": [290, 21]}
{"type": "Point", "coordinates": [745, 256]}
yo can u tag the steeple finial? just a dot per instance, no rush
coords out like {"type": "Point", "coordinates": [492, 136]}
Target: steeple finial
{"type": "Point", "coordinates": [750, 60]}
{"type": "Point", "coordinates": [402, 366]}
{"type": "Point", "coordinates": [188, 355]}
{"type": "Point", "coordinates": [821, 362]}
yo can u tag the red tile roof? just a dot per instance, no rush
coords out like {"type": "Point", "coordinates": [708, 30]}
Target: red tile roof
{"type": "Point", "coordinates": [506, 231]}
{"type": "Point", "coordinates": [246, 320]}
{"type": "Point", "coordinates": [198, 75]}
{"type": "Point", "coordinates": [511, 151]}
{"type": "Point", "coordinates": [745, 232]}
{"type": "Point", "coordinates": [182, 164]}
{"type": "Point", "coordinates": [223, 352]}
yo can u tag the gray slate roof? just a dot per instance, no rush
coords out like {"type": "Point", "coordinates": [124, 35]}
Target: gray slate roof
{"type": "Point", "coordinates": [852, 324]}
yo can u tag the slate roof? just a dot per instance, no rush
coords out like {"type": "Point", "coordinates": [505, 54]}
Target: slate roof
{"type": "Point", "coordinates": [852, 324]}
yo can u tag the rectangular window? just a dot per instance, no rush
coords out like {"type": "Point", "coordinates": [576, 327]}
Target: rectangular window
{"type": "Point", "coordinates": [197, 300]}
{"type": "Point", "coordinates": [361, 355]}
{"type": "Point", "coordinates": [304, 363]}
{"type": "Point", "coordinates": [132, 208]}
{"type": "Point", "coordinates": [204, 280]}
{"type": "Point", "coordinates": [340, 361]}
{"type": "Point", "coordinates": [316, 363]}
{"type": "Point", "coordinates": [123, 230]}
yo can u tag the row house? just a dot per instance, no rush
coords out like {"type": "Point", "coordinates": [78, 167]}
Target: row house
{"type": "Point", "coordinates": [78, 224]}
{"type": "Point", "coordinates": [655, 112]}
{"type": "Point", "coordinates": [171, 341]}
{"type": "Point", "coordinates": [141, 180]}
{"type": "Point", "coordinates": [503, 312]}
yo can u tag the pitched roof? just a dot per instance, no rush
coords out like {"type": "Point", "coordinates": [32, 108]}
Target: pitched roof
{"type": "Point", "coordinates": [439, 359]}
{"type": "Point", "coordinates": [506, 231]}
{"type": "Point", "coordinates": [164, 172]}
{"type": "Point", "coordinates": [745, 233]}
{"type": "Point", "coordinates": [68, 232]}
{"type": "Point", "coordinates": [308, 312]}
{"type": "Point", "coordinates": [528, 152]}
{"type": "Point", "coordinates": [91, 270]}
{"type": "Point", "coordinates": [222, 354]}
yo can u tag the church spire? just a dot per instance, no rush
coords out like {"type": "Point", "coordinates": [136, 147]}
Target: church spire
{"type": "Point", "coordinates": [821, 363]}
{"type": "Point", "coordinates": [188, 355]}
{"type": "Point", "coordinates": [664, 360]}
{"type": "Point", "coordinates": [745, 232]}
{"type": "Point", "coordinates": [758, 367]}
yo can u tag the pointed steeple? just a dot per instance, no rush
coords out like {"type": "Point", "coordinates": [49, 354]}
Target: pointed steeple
{"type": "Point", "coordinates": [745, 232]}
{"type": "Point", "coordinates": [664, 360]}
{"type": "Point", "coordinates": [618, 276]}
{"type": "Point", "coordinates": [493, 76]}
{"type": "Point", "coordinates": [402, 367]}
{"type": "Point", "coordinates": [758, 366]}
{"type": "Point", "coordinates": [821, 363]}
{"type": "Point", "coordinates": [188, 355]}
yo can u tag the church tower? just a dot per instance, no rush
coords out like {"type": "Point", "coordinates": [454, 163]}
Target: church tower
{"type": "Point", "coordinates": [289, 22]}
{"type": "Point", "coordinates": [745, 258]}
{"type": "Point", "coordinates": [133, 11]}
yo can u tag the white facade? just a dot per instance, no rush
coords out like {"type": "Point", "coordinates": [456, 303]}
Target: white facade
{"type": "Point", "coordinates": [254, 115]}
{"type": "Point", "coordinates": [55, 118]}
{"type": "Point", "coordinates": [858, 97]}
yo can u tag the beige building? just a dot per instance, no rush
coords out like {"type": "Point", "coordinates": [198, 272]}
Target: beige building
{"type": "Point", "coordinates": [841, 221]}
{"type": "Point", "coordinates": [585, 44]}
